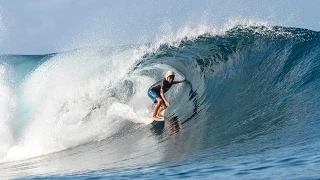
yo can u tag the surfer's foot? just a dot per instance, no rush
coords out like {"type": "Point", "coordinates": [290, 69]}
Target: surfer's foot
{"type": "Point", "coordinates": [156, 118]}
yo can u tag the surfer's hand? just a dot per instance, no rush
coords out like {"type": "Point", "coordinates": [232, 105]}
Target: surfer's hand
{"type": "Point", "coordinates": [167, 103]}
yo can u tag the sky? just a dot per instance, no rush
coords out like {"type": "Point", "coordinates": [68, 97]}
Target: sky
{"type": "Point", "coordinates": [48, 26]}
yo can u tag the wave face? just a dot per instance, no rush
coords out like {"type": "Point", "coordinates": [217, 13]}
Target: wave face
{"type": "Point", "coordinates": [250, 92]}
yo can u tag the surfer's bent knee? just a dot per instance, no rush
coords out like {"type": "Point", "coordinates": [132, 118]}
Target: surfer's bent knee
{"type": "Point", "coordinates": [159, 100]}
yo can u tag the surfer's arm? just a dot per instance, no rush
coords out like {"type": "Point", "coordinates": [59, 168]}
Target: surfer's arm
{"type": "Point", "coordinates": [176, 82]}
{"type": "Point", "coordinates": [164, 97]}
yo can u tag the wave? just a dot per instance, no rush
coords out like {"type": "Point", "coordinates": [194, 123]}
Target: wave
{"type": "Point", "coordinates": [245, 86]}
{"type": "Point", "coordinates": [249, 82]}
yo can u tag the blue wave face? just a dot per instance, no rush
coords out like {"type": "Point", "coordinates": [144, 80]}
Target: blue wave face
{"type": "Point", "coordinates": [246, 85]}
{"type": "Point", "coordinates": [249, 90]}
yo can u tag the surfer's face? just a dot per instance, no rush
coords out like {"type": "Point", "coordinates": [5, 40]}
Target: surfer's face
{"type": "Point", "coordinates": [170, 79]}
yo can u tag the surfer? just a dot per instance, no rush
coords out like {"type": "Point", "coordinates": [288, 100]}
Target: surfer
{"type": "Point", "coordinates": [156, 93]}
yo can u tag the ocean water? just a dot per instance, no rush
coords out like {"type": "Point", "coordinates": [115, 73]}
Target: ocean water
{"type": "Point", "coordinates": [249, 109]}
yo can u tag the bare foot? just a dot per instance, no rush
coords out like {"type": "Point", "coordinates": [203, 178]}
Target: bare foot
{"type": "Point", "coordinates": [156, 118]}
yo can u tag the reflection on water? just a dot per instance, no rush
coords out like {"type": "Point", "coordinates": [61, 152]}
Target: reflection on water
{"type": "Point", "coordinates": [169, 126]}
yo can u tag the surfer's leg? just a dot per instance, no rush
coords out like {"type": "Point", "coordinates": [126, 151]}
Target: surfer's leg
{"type": "Point", "coordinates": [162, 107]}
{"type": "Point", "coordinates": [156, 108]}
{"type": "Point", "coordinates": [155, 97]}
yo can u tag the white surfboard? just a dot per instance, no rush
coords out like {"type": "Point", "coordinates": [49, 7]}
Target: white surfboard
{"type": "Point", "coordinates": [150, 120]}
{"type": "Point", "coordinates": [159, 114]}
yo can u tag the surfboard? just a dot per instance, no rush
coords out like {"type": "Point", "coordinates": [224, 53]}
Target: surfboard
{"type": "Point", "coordinates": [151, 120]}
{"type": "Point", "coordinates": [159, 114]}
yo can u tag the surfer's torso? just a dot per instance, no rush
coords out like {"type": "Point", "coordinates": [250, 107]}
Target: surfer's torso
{"type": "Point", "coordinates": [163, 84]}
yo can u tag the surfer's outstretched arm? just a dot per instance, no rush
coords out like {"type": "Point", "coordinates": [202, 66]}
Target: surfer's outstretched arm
{"type": "Point", "coordinates": [176, 82]}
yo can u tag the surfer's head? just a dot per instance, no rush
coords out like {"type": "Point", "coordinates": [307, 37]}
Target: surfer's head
{"type": "Point", "coordinates": [169, 76]}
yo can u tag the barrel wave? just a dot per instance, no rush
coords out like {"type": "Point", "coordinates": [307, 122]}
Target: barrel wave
{"type": "Point", "coordinates": [249, 108]}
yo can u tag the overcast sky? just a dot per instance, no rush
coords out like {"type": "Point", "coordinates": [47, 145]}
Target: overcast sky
{"type": "Point", "coordinates": [47, 26]}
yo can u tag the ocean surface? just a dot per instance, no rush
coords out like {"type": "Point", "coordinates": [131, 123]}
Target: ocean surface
{"type": "Point", "coordinates": [249, 109]}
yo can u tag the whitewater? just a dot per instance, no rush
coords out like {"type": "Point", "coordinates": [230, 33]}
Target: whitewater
{"type": "Point", "coordinates": [249, 108]}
